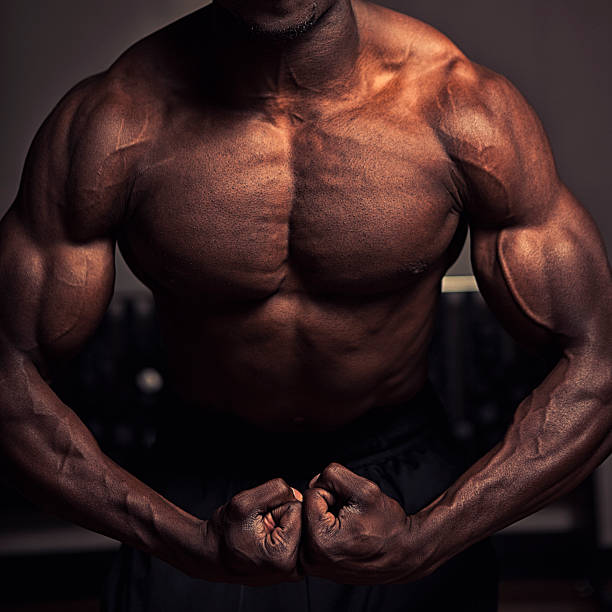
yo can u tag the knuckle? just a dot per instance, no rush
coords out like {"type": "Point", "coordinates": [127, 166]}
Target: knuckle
{"type": "Point", "coordinates": [278, 484]}
{"type": "Point", "coordinates": [332, 470]}
{"type": "Point", "coordinates": [238, 506]}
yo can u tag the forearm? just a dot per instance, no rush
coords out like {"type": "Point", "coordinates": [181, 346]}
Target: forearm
{"type": "Point", "coordinates": [50, 455]}
{"type": "Point", "coordinates": [560, 433]}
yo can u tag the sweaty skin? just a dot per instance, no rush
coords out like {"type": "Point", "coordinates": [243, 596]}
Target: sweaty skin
{"type": "Point", "coordinates": [293, 201]}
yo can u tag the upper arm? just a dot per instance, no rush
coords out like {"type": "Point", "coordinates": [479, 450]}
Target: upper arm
{"type": "Point", "coordinates": [57, 239]}
{"type": "Point", "coordinates": [537, 255]}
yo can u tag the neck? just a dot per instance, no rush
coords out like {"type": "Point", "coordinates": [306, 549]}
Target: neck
{"type": "Point", "coordinates": [252, 65]}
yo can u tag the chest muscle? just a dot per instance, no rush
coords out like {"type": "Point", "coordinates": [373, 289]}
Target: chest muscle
{"type": "Point", "coordinates": [354, 205]}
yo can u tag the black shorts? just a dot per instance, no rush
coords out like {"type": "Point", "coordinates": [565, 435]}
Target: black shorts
{"type": "Point", "coordinates": [406, 450]}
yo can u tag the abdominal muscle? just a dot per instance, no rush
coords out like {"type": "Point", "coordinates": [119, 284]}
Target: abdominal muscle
{"type": "Point", "coordinates": [296, 362]}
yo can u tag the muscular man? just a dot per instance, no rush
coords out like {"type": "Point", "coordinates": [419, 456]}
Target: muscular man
{"type": "Point", "coordinates": [292, 180]}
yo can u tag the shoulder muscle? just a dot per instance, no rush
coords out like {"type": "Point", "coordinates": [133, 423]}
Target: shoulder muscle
{"type": "Point", "coordinates": [498, 143]}
{"type": "Point", "coordinates": [79, 168]}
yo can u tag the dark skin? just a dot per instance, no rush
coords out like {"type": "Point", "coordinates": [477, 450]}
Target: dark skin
{"type": "Point", "coordinates": [293, 196]}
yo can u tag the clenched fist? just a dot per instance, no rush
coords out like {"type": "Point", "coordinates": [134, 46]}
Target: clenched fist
{"type": "Point", "coordinates": [257, 534]}
{"type": "Point", "coordinates": [353, 532]}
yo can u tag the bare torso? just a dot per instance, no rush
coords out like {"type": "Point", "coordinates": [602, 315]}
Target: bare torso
{"type": "Point", "coordinates": [294, 246]}
{"type": "Point", "coordinates": [293, 209]}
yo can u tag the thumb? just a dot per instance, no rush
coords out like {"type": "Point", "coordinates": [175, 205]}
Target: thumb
{"type": "Point", "coordinates": [316, 508]}
{"type": "Point", "coordinates": [289, 518]}
{"type": "Point", "coordinates": [319, 525]}
{"type": "Point", "coordinates": [288, 524]}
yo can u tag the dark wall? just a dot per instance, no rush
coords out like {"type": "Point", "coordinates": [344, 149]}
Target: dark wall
{"type": "Point", "coordinates": [556, 51]}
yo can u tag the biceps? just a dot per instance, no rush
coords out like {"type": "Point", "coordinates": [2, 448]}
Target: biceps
{"type": "Point", "coordinates": [550, 280]}
{"type": "Point", "coordinates": [52, 296]}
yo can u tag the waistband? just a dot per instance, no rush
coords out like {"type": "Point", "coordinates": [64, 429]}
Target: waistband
{"type": "Point", "coordinates": [223, 442]}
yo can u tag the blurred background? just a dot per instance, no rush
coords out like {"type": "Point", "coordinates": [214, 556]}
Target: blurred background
{"type": "Point", "coordinates": [558, 54]}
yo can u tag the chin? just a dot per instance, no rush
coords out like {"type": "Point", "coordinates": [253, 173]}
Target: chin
{"type": "Point", "coordinates": [285, 20]}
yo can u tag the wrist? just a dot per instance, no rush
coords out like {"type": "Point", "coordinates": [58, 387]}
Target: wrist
{"type": "Point", "coordinates": [423, 548]}
{"type": "Point", "coordinates": [191, 547]}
